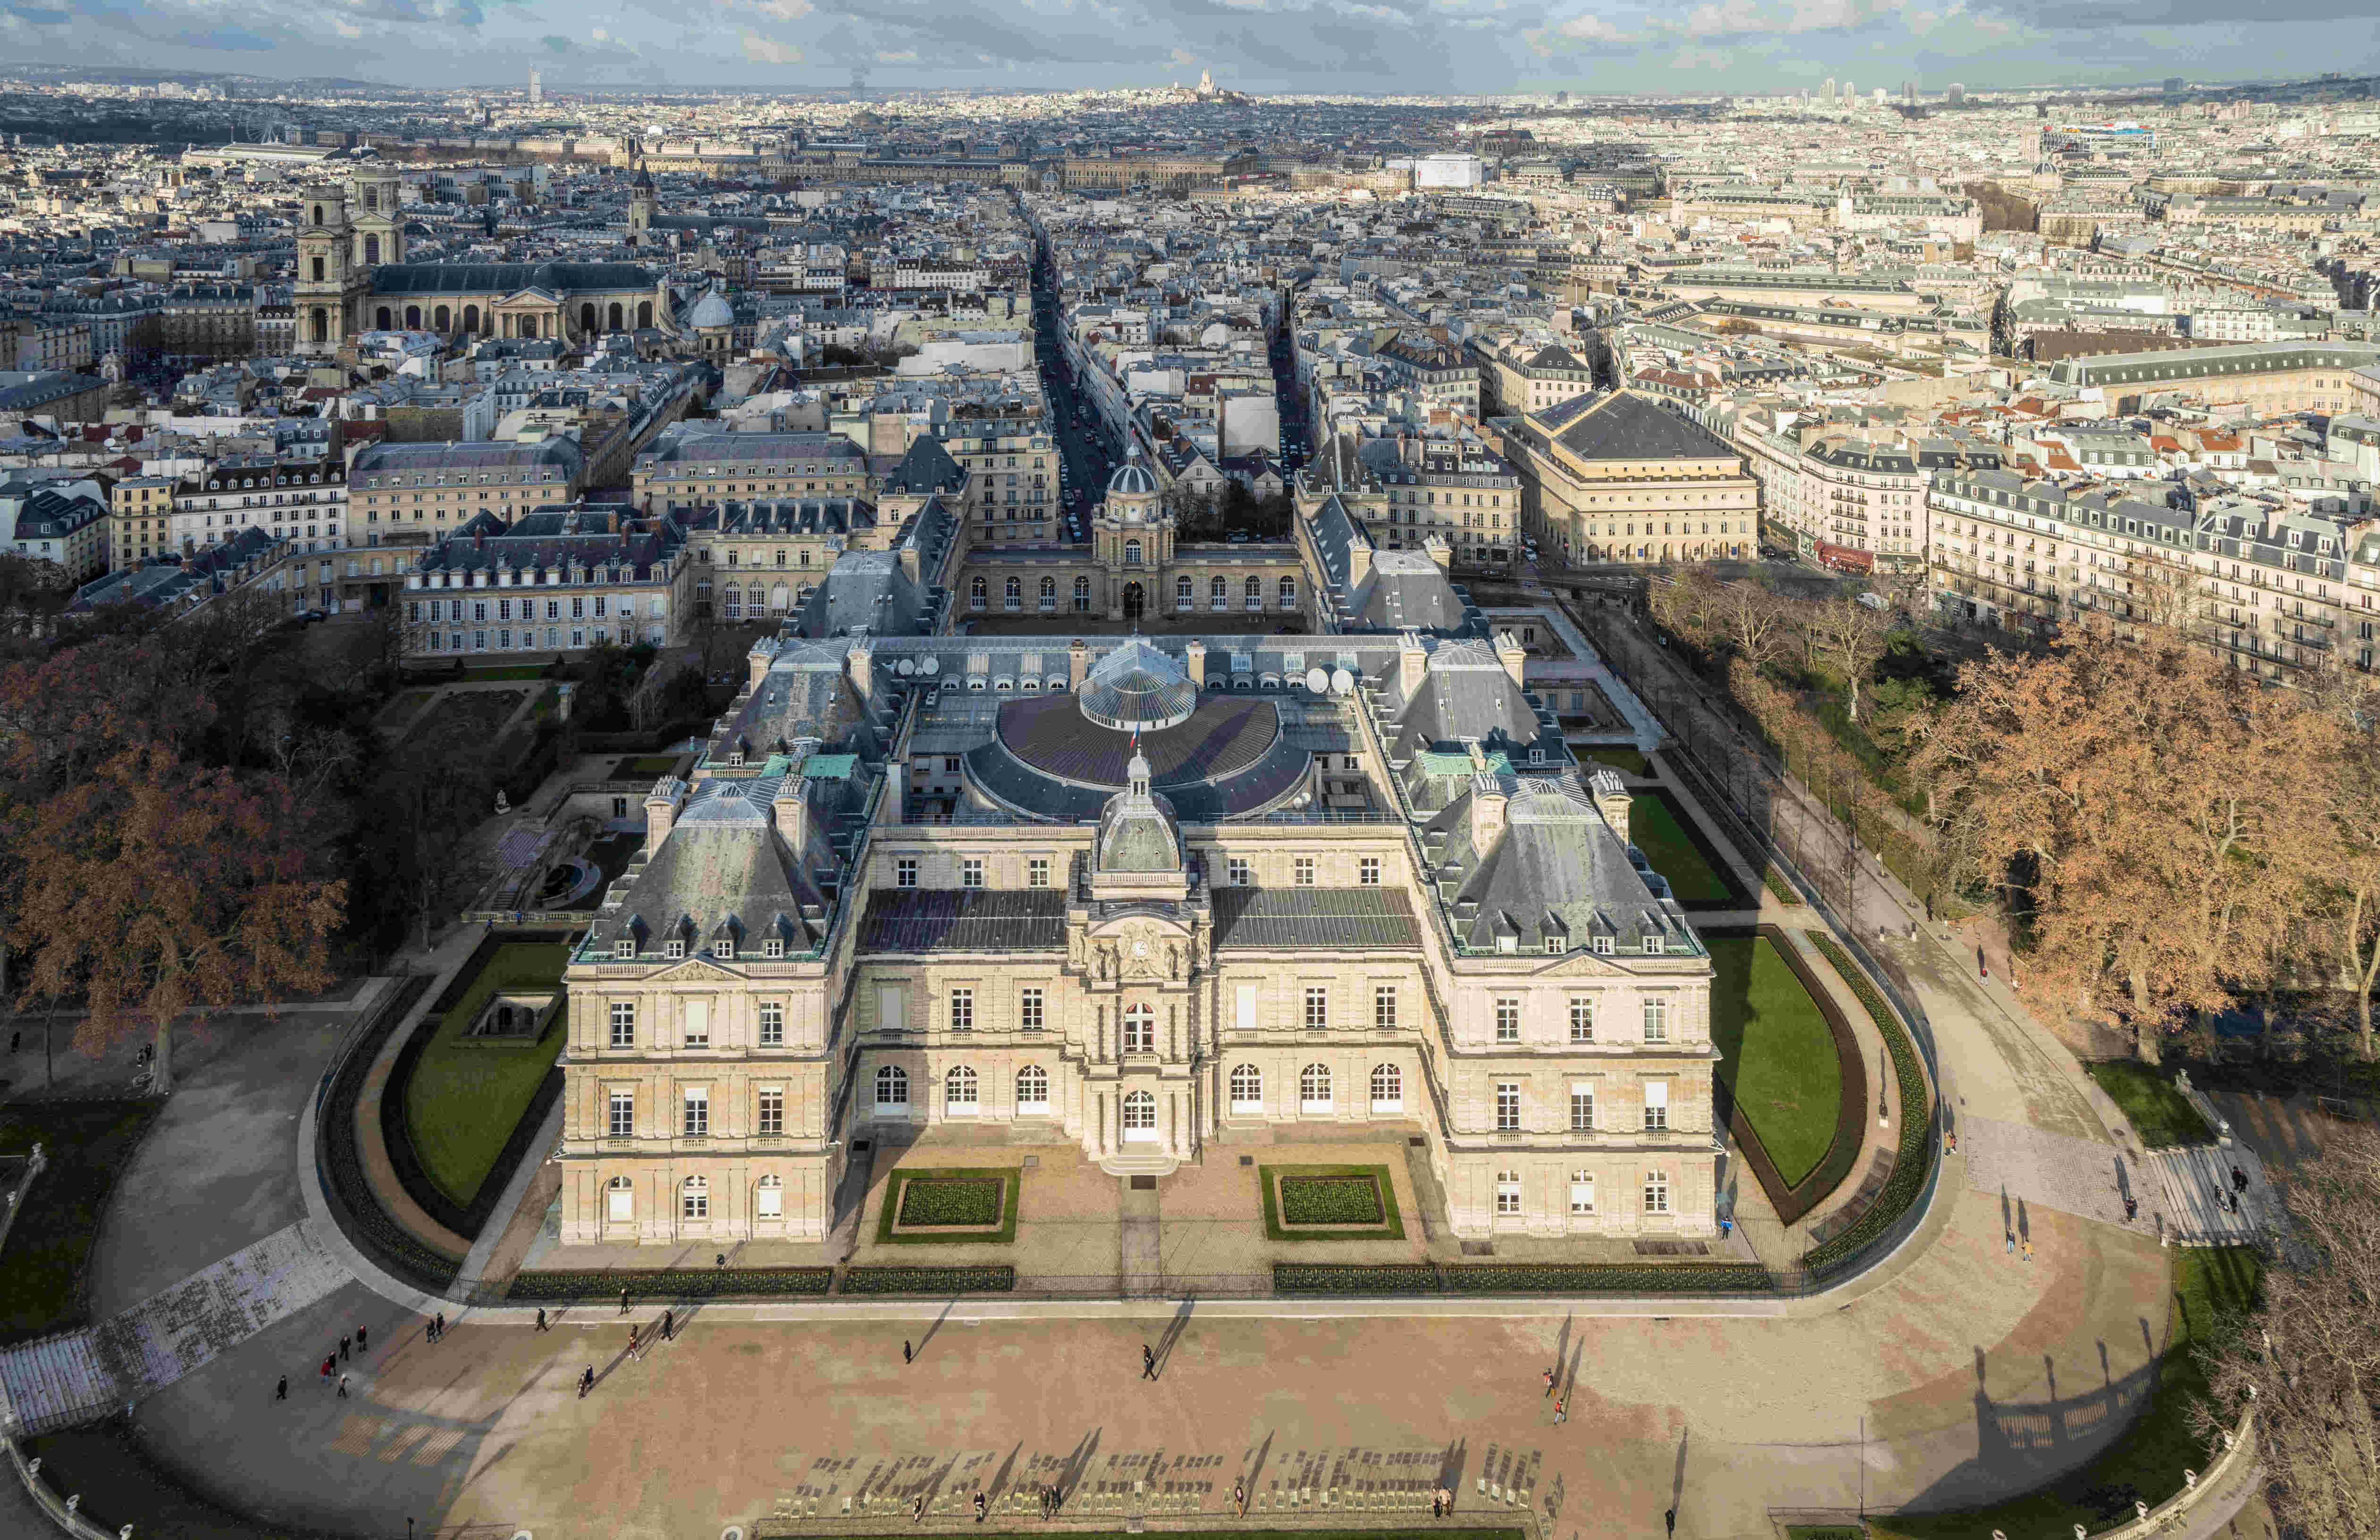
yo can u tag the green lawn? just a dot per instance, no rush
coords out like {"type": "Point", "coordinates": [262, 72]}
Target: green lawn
{"type": "Point", "coordinates": [1627, 761]}
{"type": "Point", "coordinates": [86, 1144]}
{"type": "Point", "coordinates": [1319, 1195]}
{"type": "Point", "coordinates": [2145, 1464]}
{"type": "Point", "coordinates": [505, 671]}
{"type": "Point", "coordinates": [1826, 1532]}
{"type": "Point", "coordinates": [2159, 1113]}
{"type": "Point", "coordinates": [1777, 1055]}
{"type": "Point", "coordinates": [464, 1101]}
{"type": "Point", "coordinates": [951, 1196]}
{"type": "Point", "coordinates": [1657, 826]}
{"type": "Point", "coordinates": [638, 766]}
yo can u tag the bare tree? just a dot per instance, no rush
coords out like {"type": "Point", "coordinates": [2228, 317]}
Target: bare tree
{"type": "Point", "coordinates": [1853, 637]}
{"type": "Point", "coordinates": [2307, 1364]}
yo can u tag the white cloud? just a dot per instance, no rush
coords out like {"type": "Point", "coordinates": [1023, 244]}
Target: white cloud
{"type": "Point", "coordinates": [760, 50]}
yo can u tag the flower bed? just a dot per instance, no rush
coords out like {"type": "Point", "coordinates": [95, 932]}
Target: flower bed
{"type": "Point", "coordinates": [929, 1281]}
{"type": "Point", "coordinates": [1316, 1278]}
{"type": "Point", "coordinates": [670, 1283]}
{"type": "Point", "coordinates": [1916, 1146]}
{"type": "Point", "coordinates": [1306, 1200]}
{"type": "Point", "coordinates": [948, 1205]}
{"type": "Point", "coordinates": [1609, 1277]}
{"type": "Point", "coordinates": [1782, 888]}
{"type": "Point", "coordinates": [1330, 1203]}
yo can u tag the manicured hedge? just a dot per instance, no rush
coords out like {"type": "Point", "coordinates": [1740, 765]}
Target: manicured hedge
{"type": "Point", "coordinates": [1916, 1147]}
{"type": "Point", "coordinates": [951, 1196]}
{"type": "Point", "coordinates": [1609, 1277]}
{"type": "Point", "coordinates": [1306, 1200]}
{"type": "Point", "coordinates": [669, 1283]}
{"type": "Point", "coordinates": [929, 1281]}
{"type": "Point", "coordinates": [1383, 1223]}
{"type": "Point", "coordinates": [953, 1200]}
{"type": "Point", "coordinates": [1323, 1277]}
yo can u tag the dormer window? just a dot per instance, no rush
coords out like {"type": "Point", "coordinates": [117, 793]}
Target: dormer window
{"type": "Point", "coordinates": [1555, 946]}
{"type": "Point", "coordinates": [626, 947]}
{"type": "Point", "coordinates": [674, 950]}
{"type": "Point", "coordinates": [1653, 943]}
{"type": "Point", "coordinates": [772, 947]}
{"type": "Point", "coordinates": [1603, 946]}
{"type": "Point", "coordinates": [726, 951]}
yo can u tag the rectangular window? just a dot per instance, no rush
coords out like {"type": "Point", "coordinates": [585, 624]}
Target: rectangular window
{"type": "Point", "coordinates": [1508, 1192]}
{"type": "Point", "coordinates": [1508, 1018]}
{"type": "Point", "coordinates": [697, 1023]}
{"type": "Point", "coordinates": [1318, 1007]}
{"type": "Point", "coordinates": [773, 1115]}
{"type": "Point", "coordinates": [1306, 871]}
{"type": "Point", "coordinates": [1237, 874]}
{"type": "Point", "coordinates": [697, 1113]}
{"type": "Point", "coordinates": [891, 1013]}
{"type": "Point", "coordinates": [1582, 1109]}
{"type": "Point", "coordinates": [962, 1010]}
{"type": "Point", "coordinates": [1028, 1010]}
{"type": "Point", "coordinates": [1656, 1192]}
{"type": "Point", "coordinates": [1507, 1107]}
{"type": "Point", "coordinates": [1384, 1008]}
{"type": "Point", "coordinates": [624, 1114]}
{"type": "Point", "coordinates": [773, 1023]}
{"type": "Point", "coordinates": [904, 872]}
{"type": "Point", "coordinates": [1037, 871]}
{"type": "Point", "coordinates": [971, 871]}
{"type": "Point", "coordinates": [1657, 1023]}
{"type": "Point", "coordinates": [1657, 1106]}
{"type": "Point", "coordinates": [624, 1024]}
{"type": "Point", "coordinates": [1368, 872]}
{"type": "Point", "coordinates": [1243, 1016]}
{"type": "Point", "coordinates": [1582, 1019]}
{"type": "Point", "coordinates": [1582, 1193]}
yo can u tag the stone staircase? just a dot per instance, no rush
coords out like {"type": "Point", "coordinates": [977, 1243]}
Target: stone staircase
{"type": "Point", "coordinates": [2195, 1184]}
{"type": "Point", "coordinates": [57, 1382]}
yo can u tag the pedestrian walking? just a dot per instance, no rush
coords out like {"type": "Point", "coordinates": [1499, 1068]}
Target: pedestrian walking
{"type": "Point", "coordinates": [979, 1505]}
{"type": "Point", "coordinates": [342, 1388]}
{"type": "Point", "coordinates": [281, 1391]}
{"type": "Point", "coordinates": [363, 1339]}
{"type": "Point", "coordinates": [632, 1336]}
{"type": "Point", "coordinates": [586, 1381]}
{"type": "Point", "coordinates": [669, 1325]}
{"type": "Point", "coordinates": [2239, 1180]}
{"type": "Point", "coordinates": [1550, 1382]}
{"type": "Point", "coordinates": [1725, 1226]}
{"type": "Point", "coordinates": [1240, 1498]}
{"type": "Point", "coordinates": [1436, 1511]}
{"type": "Point", "coordinates": [918, 1510]}
{"type": "Point", "coordinates": [1148, 1362]}
{"type": "Point", "coordinates": [623, 1302]}
{"type": "Point", "coordinates": [1561, 1409]}
{"type": "Point", "coordinates": [541, 1318]}
{"type": "Point", "coordinates": [2235, 1203]}
{"type": "Point", "coordinates": [2028, 1248]}
{"type": "Point", "coordinates": [2008, 1237]}
{"type": "Point", "coordinates": [327, 1365]}
{"type": "Point", "coordinates": [2131, 1207]}
{"type": "Point", "coordinates": [908, 1353]}
{"type": "Point", "coordinates": [345, 1343]}
{"type": "Point", "coordinates": [1950, 1140]}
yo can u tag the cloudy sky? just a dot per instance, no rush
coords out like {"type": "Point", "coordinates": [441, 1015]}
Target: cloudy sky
{"type": "Point", "coordinates": [1337, 46]}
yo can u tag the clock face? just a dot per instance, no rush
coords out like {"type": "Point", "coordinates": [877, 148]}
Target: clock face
{"type": "Point", "coordinates": [1140, 948]}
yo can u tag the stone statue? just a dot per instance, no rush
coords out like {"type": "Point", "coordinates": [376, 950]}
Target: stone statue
{"type": "Point", "coordinates": [1173, 961]}
{"type": "Point", "coordinates": [504, 804]}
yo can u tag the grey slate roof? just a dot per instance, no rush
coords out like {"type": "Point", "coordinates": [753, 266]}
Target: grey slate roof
{"type": "Point", "coordinates": [1340, 919]}
{"type": "Point", "coordinates": [1556, 869]}
{"type": "Point", "coordinates": [925, 470]}
{"type": "Point", "coordinates": [723, 871]}
{"type": "Point", "coordinates": [506, 277]}
{"type": "Point", "coordinates": [1624, 425]}
{"type": "Point", "coordinates": [963, 919]}
{"type": "Point", "coordinates": [1465, 693]}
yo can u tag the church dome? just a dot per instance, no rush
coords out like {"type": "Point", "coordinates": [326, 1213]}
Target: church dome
{"type": "Point", "coordinates": [710, 312]}
{"type": "Point", "coordinates": [1137, 829]}
{"type": "Point", "coordinates": [1131, 479]}
{"type": "Point", "coordinates": [1137, 688]}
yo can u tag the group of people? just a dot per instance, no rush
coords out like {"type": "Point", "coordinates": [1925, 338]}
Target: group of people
{"type": "Point", "coordinates": [355, 1342]}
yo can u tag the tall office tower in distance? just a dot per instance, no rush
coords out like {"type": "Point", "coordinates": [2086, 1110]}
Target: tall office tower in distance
{"type": "Point", "coordinates": [536, 89]}
{"type": "Point", "coordinates": [1826, 91]}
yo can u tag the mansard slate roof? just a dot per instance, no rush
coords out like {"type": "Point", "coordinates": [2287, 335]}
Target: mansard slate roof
{"type": "Point", "coordinates": [1465, 695]}
{"type": "Point", "coordinates": [1297, 919]}
{"type": "Point", "coordinates": [394, 278]}
{"type": "Point", "coordinates": [964, 919]}
{"type": "Point", "coordinates": [1556, 869]}
{"type": "Point", "coordinates": [1622, 425]}
{"type": "Point", "coordinates": [724, 872]}
{"type": "Point", "coordinates": [925, 470]}
{"type": "Point", "coordinates": [805, 694]}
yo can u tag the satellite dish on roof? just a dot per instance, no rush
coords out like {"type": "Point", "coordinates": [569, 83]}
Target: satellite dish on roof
{"type": "Point", "coordinates": [929, 667]}
{"type": "Point", "coordinates": [1342, 681]}
{"type": "Point", "coordinates": [904, 667]}
{"type": "Point", "coordinates": [1317, 681]}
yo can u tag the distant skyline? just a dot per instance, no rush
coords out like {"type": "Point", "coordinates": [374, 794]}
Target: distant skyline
{"type": "Point", "coordinates": [1738, 46]}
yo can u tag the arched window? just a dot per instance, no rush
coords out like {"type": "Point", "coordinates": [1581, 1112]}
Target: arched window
{"type": "Point", "coordinates": [1288, 593]}
{"type": "Point", "coordinates": [321, 325]}
{"type": "Point", "coordinates": [1082, 593]}
{"type": "Point", "coordinates": [372, 251]}
{"type": "Point", "coordinates": [1388, 1089]}
{"type": "Point", "coordinates": [442, 318]}
{"type": "Point", "coordinates": [1012, 594]}
{"type": "Point", "coordinates": [959, 1090]}
{"type": "Point", "coordinates": [769, 1198]}
{"type": "Point", "coordinates": [1248, 1088]}
{"type": "Point", "coordinates": [1254, 589]}
{"type": "Point", "coordinates": [1140, 1030]}
{"type": "Point", "coordinates": [1139, 1115]}
{"type": "Point", "coordinates": [730, 603]}
{"type": "Point", "coordinates": [694, 1198]}
{"type": "Point", "coordinates": [471, 318]}
{"type": "Point", "coordinates": [1314, 1088]}
{"type": "Point", "coordinates": [1132, 553]}
{"type": "Point", "coordinates": [619, 1200]}
{"type": "Point", "coordinates": [644, 312]}
{"type": "Point", "coordinates": [413, 318]}
{"type": "Point", "coordinates": [1218, 590]}
{"type": "Point", "coordinates": [587, 318]}
{"type": "Point", "coordinates": [893, 1087]}
{"type": "Point", "coordinates": [1033, 1089]}
{"type": "Point", "coordinates": [1183, 595]}
{"type": "Point", "coordinates": [978, 594]}
{"type": "Point", "coordinates": [1048, 592]}
{"type": "Point", "coordinates": [384, 318]}
{"type": "Point", "coordinates": [615, 315]}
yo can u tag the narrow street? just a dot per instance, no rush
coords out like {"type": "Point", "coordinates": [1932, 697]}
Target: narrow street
{"type": "Point", "coordinates": [1082, 448]}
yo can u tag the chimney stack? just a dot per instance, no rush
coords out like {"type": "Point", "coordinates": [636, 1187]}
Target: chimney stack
{"type": "Point", "coordinates": [1487, 802]}
{"type": "Point", "coordinates": [1194, 656]}
{"type": "Point", "coordinates": [1359, 563]}
{"type": "Point", "coordinates": [661, 810]}
{"type": "Point", "coordinates": [792, 810]}
{"type": "Point", "coordinates": [1512, 654]}
{"type": "Point", "coordinates": [1079, 664]}
{"type": "Point", "coordinates": [861, 660]}
{"type": "Point", "coordinates": [1412, 662]}
{"type": "Point", "coordinates": [1613, 800]}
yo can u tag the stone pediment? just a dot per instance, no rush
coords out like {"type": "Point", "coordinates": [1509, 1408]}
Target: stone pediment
{"type": "Point", "coordinates": [1150, 946]}
{"type": "Point", "coordinates": [1585, 964]}
{"type": "Point", "coordinates": [698, 970]}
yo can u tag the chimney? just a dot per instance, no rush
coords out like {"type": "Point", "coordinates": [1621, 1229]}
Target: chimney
{"type": "Point", "coordinates": [861, 659]}
{"type": "Point", "coordinates": [661, 810]}
{"type": "Point", "coordinates": [1359, 563]}
{"type": "Point", "coordinates": [759, 660]}
{"type": "Point", "coordinates": [793, 816]}
{"type": "Point", "coordinates": [1079, 664]}
{"type": "Point", "coordinates": [896, 791]}
{"type": "Point", "coordinates": [1510, 653]}
{"type": "Point", "coordinates": [1412, 662]}
{"type": "Point", "coordinates": [1195, 654]}
{"type": "Point", "coordinates": [1486, 813]}
{"type": "Point", "coordinates": [1613, 800]}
